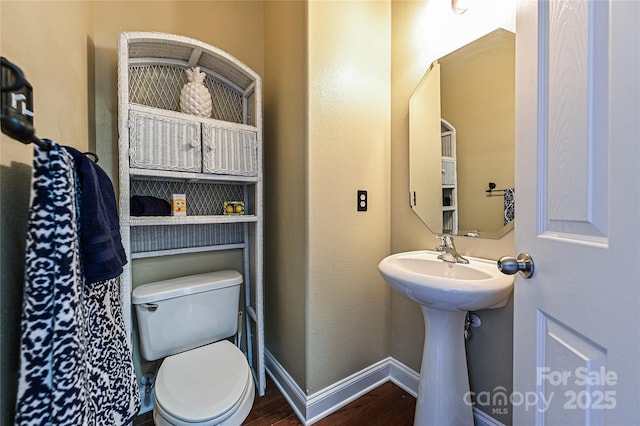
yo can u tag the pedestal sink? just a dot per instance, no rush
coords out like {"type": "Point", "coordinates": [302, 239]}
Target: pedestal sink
{"type": "Point", "coordinates": [445, 292]}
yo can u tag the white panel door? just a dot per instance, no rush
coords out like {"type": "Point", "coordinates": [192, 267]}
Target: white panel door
{"type": "Point", "coordinates": [577, 320]}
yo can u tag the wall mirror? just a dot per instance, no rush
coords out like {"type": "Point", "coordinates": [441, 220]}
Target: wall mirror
{"type": "Point", "coordinates": [461, 140]}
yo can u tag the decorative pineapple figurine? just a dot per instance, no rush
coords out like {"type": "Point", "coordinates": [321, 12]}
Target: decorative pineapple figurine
{"type": "Point", "coordinates": [194, 96]}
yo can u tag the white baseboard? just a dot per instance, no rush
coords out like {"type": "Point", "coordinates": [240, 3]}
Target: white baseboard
{"type": "Point", "coordinates": [483, 419]}
{"type": "Point", "coordinates": [404, 377]}
{"type": "Point", "coordinates": [319, 405]}
{"type": "Point", "coordinates": [287, 386]}
{"type": "Point", "coordinates": [336, 396]}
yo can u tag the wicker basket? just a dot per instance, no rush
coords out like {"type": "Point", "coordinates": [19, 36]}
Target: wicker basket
{"type": "Point", "coordinates": [229, 151]}
{"type": "Point", "coordinates": [164, 143]}
{"type": "Point", "coordinates": [165, 140]}
{"type": "Point", "coordinates": [448, 171]}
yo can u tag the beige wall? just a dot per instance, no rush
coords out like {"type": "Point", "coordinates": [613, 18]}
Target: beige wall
{"type": "Point", "coordinates": [51, 42]}
{"type": "Point", "coordinates": [285, 165]}
{"type": "Point", "coordinates": [348, 149]}
{"type": "Point", "coordinates": [326, 136]}
{"type": "Point", "coordinates": [414, 45]}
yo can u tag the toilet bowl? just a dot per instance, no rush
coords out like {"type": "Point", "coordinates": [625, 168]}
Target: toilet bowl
{"type": "Point", "coordinates": [210, 385]}
{"type": "Point", "coordinates": [204, 379]}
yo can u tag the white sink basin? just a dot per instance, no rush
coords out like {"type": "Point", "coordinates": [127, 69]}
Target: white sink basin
{"type": "Point", "coordinates": [445, 291]}
{"type": "Point", "coordinates": [431, 282]}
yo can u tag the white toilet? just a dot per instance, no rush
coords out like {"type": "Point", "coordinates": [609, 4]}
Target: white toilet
{"type": "Point", "coordinates": [205, 379]}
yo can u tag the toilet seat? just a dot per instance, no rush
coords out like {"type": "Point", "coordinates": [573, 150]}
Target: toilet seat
{"type": "Point", "coordinates": [209, 385]}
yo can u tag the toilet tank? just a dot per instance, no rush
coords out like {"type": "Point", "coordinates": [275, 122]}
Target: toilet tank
{"type": "Point", "coordinates": [183, 313]}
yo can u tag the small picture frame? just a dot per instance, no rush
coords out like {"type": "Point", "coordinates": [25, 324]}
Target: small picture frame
{"type": "Point", "coordinates": [178, 205]}
{"type": "Point", "coordinates": [233, 208]}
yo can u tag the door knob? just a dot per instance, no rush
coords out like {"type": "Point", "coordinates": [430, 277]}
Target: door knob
{"type": "Point", "coordinates": [510, 265]}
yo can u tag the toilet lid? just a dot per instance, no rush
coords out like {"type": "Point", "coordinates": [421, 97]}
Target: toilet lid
{"type": "Point", "coordinates": [204, 383]}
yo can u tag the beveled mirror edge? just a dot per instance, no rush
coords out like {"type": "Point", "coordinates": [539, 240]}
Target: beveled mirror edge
{"type": "Point", "coordinates": [499, 233]}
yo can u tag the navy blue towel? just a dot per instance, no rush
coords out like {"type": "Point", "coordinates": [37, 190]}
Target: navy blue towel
{"type": "Point", "coordinates": [100, 243]}
{"type": "Point", "coordinates": [145, 205]}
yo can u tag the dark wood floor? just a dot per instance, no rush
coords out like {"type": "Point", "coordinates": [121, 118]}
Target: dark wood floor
{"type": "Point", "coordinates": [385, 405]}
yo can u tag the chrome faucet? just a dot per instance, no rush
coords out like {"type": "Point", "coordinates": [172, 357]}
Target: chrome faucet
{"type": "Point", "coordinates": [448, 250]}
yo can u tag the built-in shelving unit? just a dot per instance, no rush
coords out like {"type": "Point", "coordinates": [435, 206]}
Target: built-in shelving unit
{"type": "Point", "coordinates": [449, 179]}
{"type": "Point", "coordinates": [210, 159]}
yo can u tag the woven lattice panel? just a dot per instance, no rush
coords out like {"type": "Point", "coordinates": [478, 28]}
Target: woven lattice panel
{"type": "Point", "coordinates": [172, 237]}
{"type": "Point", "coordinates": [159, 86]}
{"type": "Point", "coordinates": [203, 199]}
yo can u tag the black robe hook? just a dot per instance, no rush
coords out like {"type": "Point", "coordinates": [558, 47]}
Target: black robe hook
{"type": "Point", "coordinates": [92, 154]}
{"type": "Point", "coordinates": [16, 102]}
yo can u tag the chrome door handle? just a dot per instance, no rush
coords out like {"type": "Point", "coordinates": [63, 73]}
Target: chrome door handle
{"type": "Point", "coordinates": [510, 265]}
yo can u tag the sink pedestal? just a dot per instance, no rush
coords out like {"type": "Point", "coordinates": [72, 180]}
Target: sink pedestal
{"type": "Point", "coordinates": [443, 393]}
{"type": "Point", "coordinates": [445, 292]}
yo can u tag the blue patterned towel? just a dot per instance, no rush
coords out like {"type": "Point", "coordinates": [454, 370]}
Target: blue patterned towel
{"type": "Point", "coordinates": [509, 205]}
{"type": "Point", "coordinates": [75, 363]}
